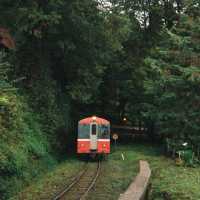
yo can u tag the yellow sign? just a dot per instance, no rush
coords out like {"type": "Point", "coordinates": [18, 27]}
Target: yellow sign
{"type": "Point", "coordinates": [115, 136]}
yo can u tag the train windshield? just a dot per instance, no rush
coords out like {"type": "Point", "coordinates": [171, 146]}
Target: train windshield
{"type": "Point", "coordinates": [84, 131]}
{"type": "Point", "coordinates": [105, 132]}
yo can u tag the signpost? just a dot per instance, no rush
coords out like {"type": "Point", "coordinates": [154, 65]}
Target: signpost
{"type": "Point", "coordinates": [115, 138]}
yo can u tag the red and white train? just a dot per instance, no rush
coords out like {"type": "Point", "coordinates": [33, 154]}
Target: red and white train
{"type": "Point", "coordinates": [93, 136]}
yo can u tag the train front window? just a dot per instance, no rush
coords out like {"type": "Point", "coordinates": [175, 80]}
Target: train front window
{"type": "Point", "coordinates": [83, 131]}
{"type": "Point", "coordinates": [94, 129]}
{"type": "Point", "coordinates": [105, 132]}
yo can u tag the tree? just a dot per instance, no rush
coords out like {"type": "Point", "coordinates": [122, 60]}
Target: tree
{"type": "Point", "coordinates": [173, 82]}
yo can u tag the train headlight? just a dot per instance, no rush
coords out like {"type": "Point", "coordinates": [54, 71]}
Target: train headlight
{"type": "Point", "coordinates": [82, 145]}
{"type": "Point", "coordinates": [104, 145]}
{"type": "Point", "coordinates": [94, 118]}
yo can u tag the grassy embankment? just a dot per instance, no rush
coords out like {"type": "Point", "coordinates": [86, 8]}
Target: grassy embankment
{"type": "Point", "coordinates": [51, 182]}
{"type": "Point", "coordinates": [180, 183]}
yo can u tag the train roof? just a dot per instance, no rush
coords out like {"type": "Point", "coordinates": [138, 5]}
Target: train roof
{"type": "Point", "coordinates": [98, 120]}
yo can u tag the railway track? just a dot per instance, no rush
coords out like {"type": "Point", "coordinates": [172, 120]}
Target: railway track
{"type": "Point", "coordinates": [82, 184]}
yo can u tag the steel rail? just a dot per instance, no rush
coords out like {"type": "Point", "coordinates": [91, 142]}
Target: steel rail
{"type": "Point", "coordinates": [93, 181]}
{"type": "Point", "coordinates": [75, 182]}
{"type": "Point", "coordinates": [68, 187]}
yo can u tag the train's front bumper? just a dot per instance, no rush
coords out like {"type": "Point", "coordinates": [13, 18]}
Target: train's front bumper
{"type": "Point", "coordinates": [103, 146]}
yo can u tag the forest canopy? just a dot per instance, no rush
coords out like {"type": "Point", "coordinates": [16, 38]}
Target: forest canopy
{"type": "Point", "coordinates": [64, 60]}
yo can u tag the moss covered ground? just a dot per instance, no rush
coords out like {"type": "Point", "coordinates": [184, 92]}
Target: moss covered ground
{"type": "Point", "coordinates": [168, 180]}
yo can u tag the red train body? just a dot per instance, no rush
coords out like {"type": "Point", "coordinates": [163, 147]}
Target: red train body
{"type": "Point", "coordinates": [93, 136]}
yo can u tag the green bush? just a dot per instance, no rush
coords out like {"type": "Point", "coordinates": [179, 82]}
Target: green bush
{"type": "Point", "coordinates": [24, 146]}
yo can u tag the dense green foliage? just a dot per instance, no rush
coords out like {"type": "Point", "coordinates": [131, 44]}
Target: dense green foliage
{"type": "Point", "coordinates": [172, 85]}
{"type": "Point", "coordinates": [23, 146]}
{"type": "Point", "coordinates": [75, 58]}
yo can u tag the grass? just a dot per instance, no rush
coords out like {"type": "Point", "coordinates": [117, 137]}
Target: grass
{"type": "Point", "coordinates": [178, 182]}
{"type": "Point", "coordinates": [116, 174]}
{"type": "Point", "coordinates": [50, 183]}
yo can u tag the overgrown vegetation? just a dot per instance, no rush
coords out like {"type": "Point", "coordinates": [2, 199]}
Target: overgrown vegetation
{"type": "Point", "coordinates": [172, 86]}
{"type": "Point", "coordinates": [112, 58]}
{"type": "Point", "coordinates": [167, 181]}
{"type": "Point", "coordinates": [51, 183]}
{"type": "Point", "coordinates": [24, 149]}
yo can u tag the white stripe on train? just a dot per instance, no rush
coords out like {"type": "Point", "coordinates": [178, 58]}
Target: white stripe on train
{"type": "Point", "coordinates": [101, 140]}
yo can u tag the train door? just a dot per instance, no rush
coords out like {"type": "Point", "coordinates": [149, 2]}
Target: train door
{"type": "Point", "coordinates": [93, 136]}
